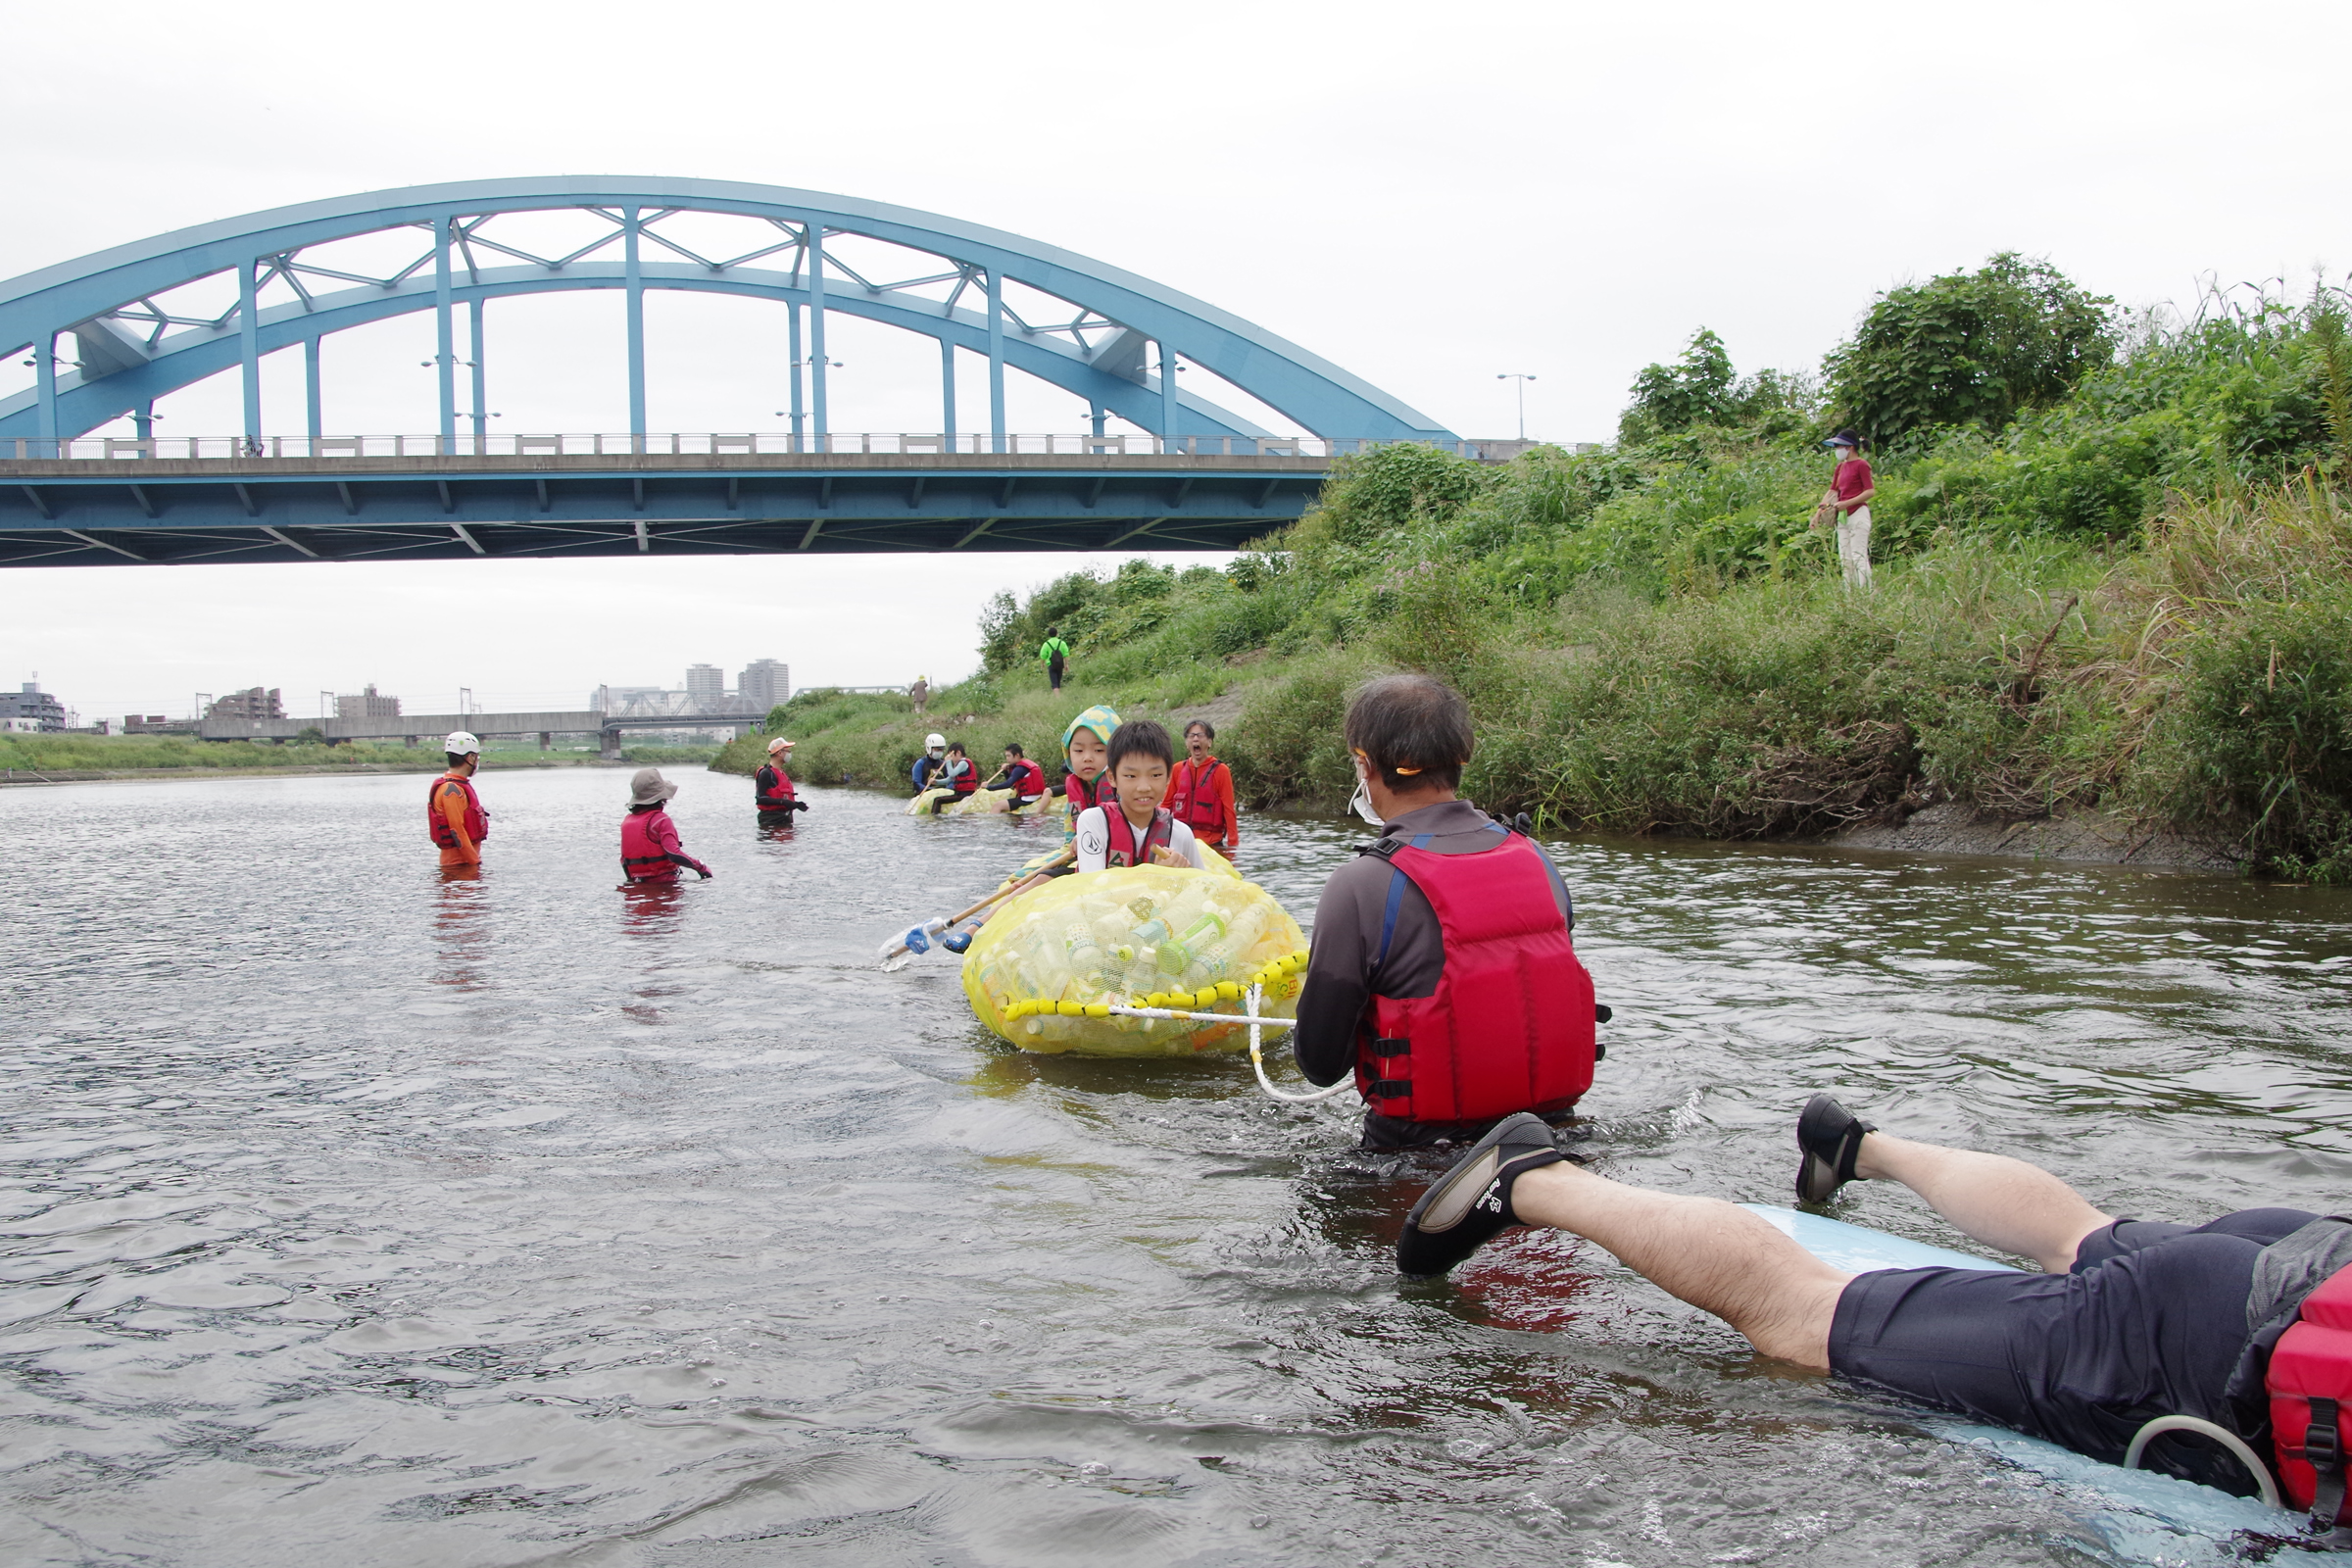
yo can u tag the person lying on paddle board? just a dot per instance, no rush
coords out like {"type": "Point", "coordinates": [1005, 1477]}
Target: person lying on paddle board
{"type": "Point", "coordinates": [1133, 829]}
{"type": "Point", "coordinates": [2131, 1320]}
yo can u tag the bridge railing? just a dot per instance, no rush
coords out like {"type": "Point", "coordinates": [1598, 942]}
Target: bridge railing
{"type": "Point", "coordinates": [716, 444]}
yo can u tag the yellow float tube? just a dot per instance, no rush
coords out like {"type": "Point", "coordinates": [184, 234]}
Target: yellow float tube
{"type": "Point", "coordinates": [1045, 972]}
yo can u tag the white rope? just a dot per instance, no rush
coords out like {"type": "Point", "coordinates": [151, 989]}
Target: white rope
{"type": "Point", "coordinates": [2204, 1429]}
{"type": "Point", "coordinates": [1257, 1062]}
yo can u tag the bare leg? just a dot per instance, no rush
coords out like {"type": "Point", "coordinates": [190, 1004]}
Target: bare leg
{"type": "Point", "coordinates": [2001, 1201]}
{"type": "Point", "coordinates": [1715, 1255]}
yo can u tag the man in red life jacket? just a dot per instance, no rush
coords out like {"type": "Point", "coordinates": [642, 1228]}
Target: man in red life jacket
{"type": "Point", "coordinates": [2242, 1325]}
{"type": "Point", "coordinates": [772, 787]}
{"type": "Point", "coordinates": [1202, 792]}
{"type": "Point", "coordinates": [453, 812]}
{"type": "Point", "coordinates": [1442, 972]}
{"type": "Point", "coordinates": [650, 851]}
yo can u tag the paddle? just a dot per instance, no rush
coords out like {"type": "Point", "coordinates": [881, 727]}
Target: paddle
{"type": "Point", "coordinates": [897, 954]}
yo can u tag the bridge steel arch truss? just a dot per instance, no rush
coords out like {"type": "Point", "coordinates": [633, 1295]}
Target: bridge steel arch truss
{"type": "Point", "coordinates": [1117, 346]}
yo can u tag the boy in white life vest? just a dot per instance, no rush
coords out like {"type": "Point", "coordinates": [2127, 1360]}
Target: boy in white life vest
{"type": "Point", "coordinates": [1441, 971]}
{"type": "Point", "coordinates": [1135, 829]}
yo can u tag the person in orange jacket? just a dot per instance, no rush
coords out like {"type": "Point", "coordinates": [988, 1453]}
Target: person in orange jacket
{"type": "Point", "coordinates": [453, 812]}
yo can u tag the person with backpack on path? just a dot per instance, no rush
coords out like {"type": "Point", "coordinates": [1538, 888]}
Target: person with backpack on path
{"type": "Point", "coordinates": [1056, 653]}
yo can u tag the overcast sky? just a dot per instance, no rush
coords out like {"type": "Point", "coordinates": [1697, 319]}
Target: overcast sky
{"type": "Point", "coordinates": [1427, 195]}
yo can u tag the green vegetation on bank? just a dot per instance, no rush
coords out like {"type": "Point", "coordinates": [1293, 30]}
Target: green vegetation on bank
{"type": "Point", "coordinates": [2113, 571]}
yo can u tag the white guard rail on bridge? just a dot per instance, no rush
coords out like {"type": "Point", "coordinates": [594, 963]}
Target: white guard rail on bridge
{"type": "Point", "coordinates": [719, 444]}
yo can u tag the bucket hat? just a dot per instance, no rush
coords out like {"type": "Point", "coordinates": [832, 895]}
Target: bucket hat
{"type": "Point", "coordinates": [650, 788]}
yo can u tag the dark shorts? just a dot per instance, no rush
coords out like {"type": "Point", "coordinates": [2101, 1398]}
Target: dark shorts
{"type": "Point", "coordinates": [1389, 1132]}
{"type": "Point", "coordinates": [775, 819]}
{"type": "Point", "coordinates": [2150, 1321]}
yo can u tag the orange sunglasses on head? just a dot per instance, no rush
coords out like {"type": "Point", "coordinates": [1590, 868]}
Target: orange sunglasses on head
{"type": "Point", "coordinates": [1368, 763]}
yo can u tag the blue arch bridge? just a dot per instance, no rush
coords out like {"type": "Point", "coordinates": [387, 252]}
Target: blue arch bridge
{"type": "Point", "coordinates": [111, 333]}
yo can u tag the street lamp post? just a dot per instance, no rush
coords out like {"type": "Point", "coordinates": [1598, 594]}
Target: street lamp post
{"type": "Point", "coordinates": [1521, 389]}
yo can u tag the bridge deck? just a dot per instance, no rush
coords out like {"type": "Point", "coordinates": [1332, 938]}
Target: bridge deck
{"type": "Point", "coordinates": [119, 510]}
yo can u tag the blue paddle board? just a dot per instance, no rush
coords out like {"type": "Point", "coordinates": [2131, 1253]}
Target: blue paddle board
{"type": "Point", "coordinates": [2141, 1516]}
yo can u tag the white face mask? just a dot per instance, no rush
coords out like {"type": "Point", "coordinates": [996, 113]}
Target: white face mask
{"type": "Point", "coordinates": [1361, 803]}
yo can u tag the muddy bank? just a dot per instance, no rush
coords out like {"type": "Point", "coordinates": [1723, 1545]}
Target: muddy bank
{"type": "Point", "coordinates": [2091, 837]}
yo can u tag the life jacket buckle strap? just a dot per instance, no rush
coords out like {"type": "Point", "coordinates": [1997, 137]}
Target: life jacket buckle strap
{"type": "Point", "coordinates": [1390, 1045]}
{"type": "Point", "coordinates": [1392, 1089]}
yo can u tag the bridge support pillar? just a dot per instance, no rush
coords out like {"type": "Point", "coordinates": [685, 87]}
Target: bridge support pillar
{"type": "Point", "coordinates": [610, 747]}
{"type": "Point", "coordinates": [546, 739]}
{"type": "Point", "coordinates": [996, 360]}
{"type": "Point", "coordinates": [249, 346]}
{"type": "Point", "coordinates": [445, 352]}
{"type": "Point", "coordinates": [411, 743]}
{"type": "Point", "coordinates": [814, 248]}
{"type": "Point", "coordinates": [633, 283]}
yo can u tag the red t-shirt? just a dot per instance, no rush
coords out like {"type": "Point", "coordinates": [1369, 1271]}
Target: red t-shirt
{"type": "Point", "coordinates": [1852, 480]}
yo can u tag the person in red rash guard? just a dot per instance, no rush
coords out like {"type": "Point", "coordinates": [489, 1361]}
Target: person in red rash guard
{"type": "Point", "coordinates": [650, 851]}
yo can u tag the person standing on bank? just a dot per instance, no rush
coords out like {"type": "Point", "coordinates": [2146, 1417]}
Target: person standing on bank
{"type": "Point", "coordinates": [1848, 501]}
{"type": "Point", "coordinates": [1201, 793]}
{"type": "Point", "coordinates": [650, 851]}
{"type": "Point", "coordinates": [920, 691]}
{"type": "Point", "coordinates": [453, 812]}
{"type": "Point", "coordinates": [1441, 970]}
{"type": "Point", "coordinates": [772, 787]}
{"type": "Point", "coordinates": [1056, 653]}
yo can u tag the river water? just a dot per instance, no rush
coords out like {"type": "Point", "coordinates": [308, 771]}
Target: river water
{"type": "Point", "coordinates": [351, 1215]}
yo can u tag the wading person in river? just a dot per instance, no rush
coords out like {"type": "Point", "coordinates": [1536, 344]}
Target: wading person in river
{"type": "Point", "coordinates": [2132, 1321]}
{"type": "Point", "coordinates": [1202, 792]}
{"type": "Point", "coordinates": [650, 851]}
{"type": "Point", "coordinates": [1441, 971]}
{"type": "Point", "coordinates": [453, 812]}
{"type": "Point", "coordinates": [1846, 502]}
{"type": "Point", "coordinates": [772, 787]}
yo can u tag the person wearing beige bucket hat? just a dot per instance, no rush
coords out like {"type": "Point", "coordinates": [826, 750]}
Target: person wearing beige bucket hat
{"type": "Point", "coordinates": [772, 787]}
{"type": "Point", "coordinates": [650, 851]}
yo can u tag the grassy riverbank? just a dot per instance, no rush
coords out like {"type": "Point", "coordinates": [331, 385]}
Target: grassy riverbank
{"type": "Point", "coordinates": [2129, 587]}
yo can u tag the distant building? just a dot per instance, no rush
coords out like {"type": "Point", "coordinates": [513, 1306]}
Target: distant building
{"type": "Point", "coordinates": [246, 705]}
{"type": "Point", "coordinates": [706, 686]}
{"type": "Point", "coordinates": [367, 706]}
{"type": "Point", "coordinates": [763, 684]}
{"type": "Point", "coordinates": [156, 724]}
{"type": "Point", "coordinates": [45, 713]}
{"type": "Point", "coordinates": [10, 724]}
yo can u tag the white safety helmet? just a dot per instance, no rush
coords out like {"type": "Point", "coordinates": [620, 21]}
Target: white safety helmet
{"type": "Point", "coordinates": [462, 742]}
{"type": "Point", "coordinates": [935, 742]}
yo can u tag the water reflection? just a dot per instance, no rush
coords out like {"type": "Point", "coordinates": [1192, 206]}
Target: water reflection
{"type": "Point", "coordinates": [460, 1221]}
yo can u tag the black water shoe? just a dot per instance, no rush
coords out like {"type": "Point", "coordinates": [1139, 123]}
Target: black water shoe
{"type": "Point", "coordinates": [1830, 1136]}
{"type": "Point", "coordinates": [1471, 1203]}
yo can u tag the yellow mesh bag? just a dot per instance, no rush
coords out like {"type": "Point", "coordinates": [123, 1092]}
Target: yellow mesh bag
{"type": "Point", "coordinates": [1043, 971]}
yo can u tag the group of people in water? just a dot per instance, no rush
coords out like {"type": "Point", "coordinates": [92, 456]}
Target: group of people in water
{"type": "Point", "coordinates": [1442, 974]}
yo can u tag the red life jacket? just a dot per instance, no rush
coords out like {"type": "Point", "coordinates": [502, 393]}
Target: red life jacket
{"type": "Point", "coordinates": [642, 856]}
{"type": "Point", "coordinates": [1194, 804]}
{"type": "Point", "coordinates": [968, 780]}
{"type": "Point", "coordinates": [1123, 850]}
{"type": "Point", "coordinates": [477, 826]}
{"type": "Point", "coordinates": [1028, 779]}
{"type": "Point", "coordinates": [2310, 1385]}
{"type": "Point", "coordinates": [1082, 794]}
{"type": "Point", "coordinates": [771, 790]}
{"type": "Point", "coordinates": [1510, 1026]}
